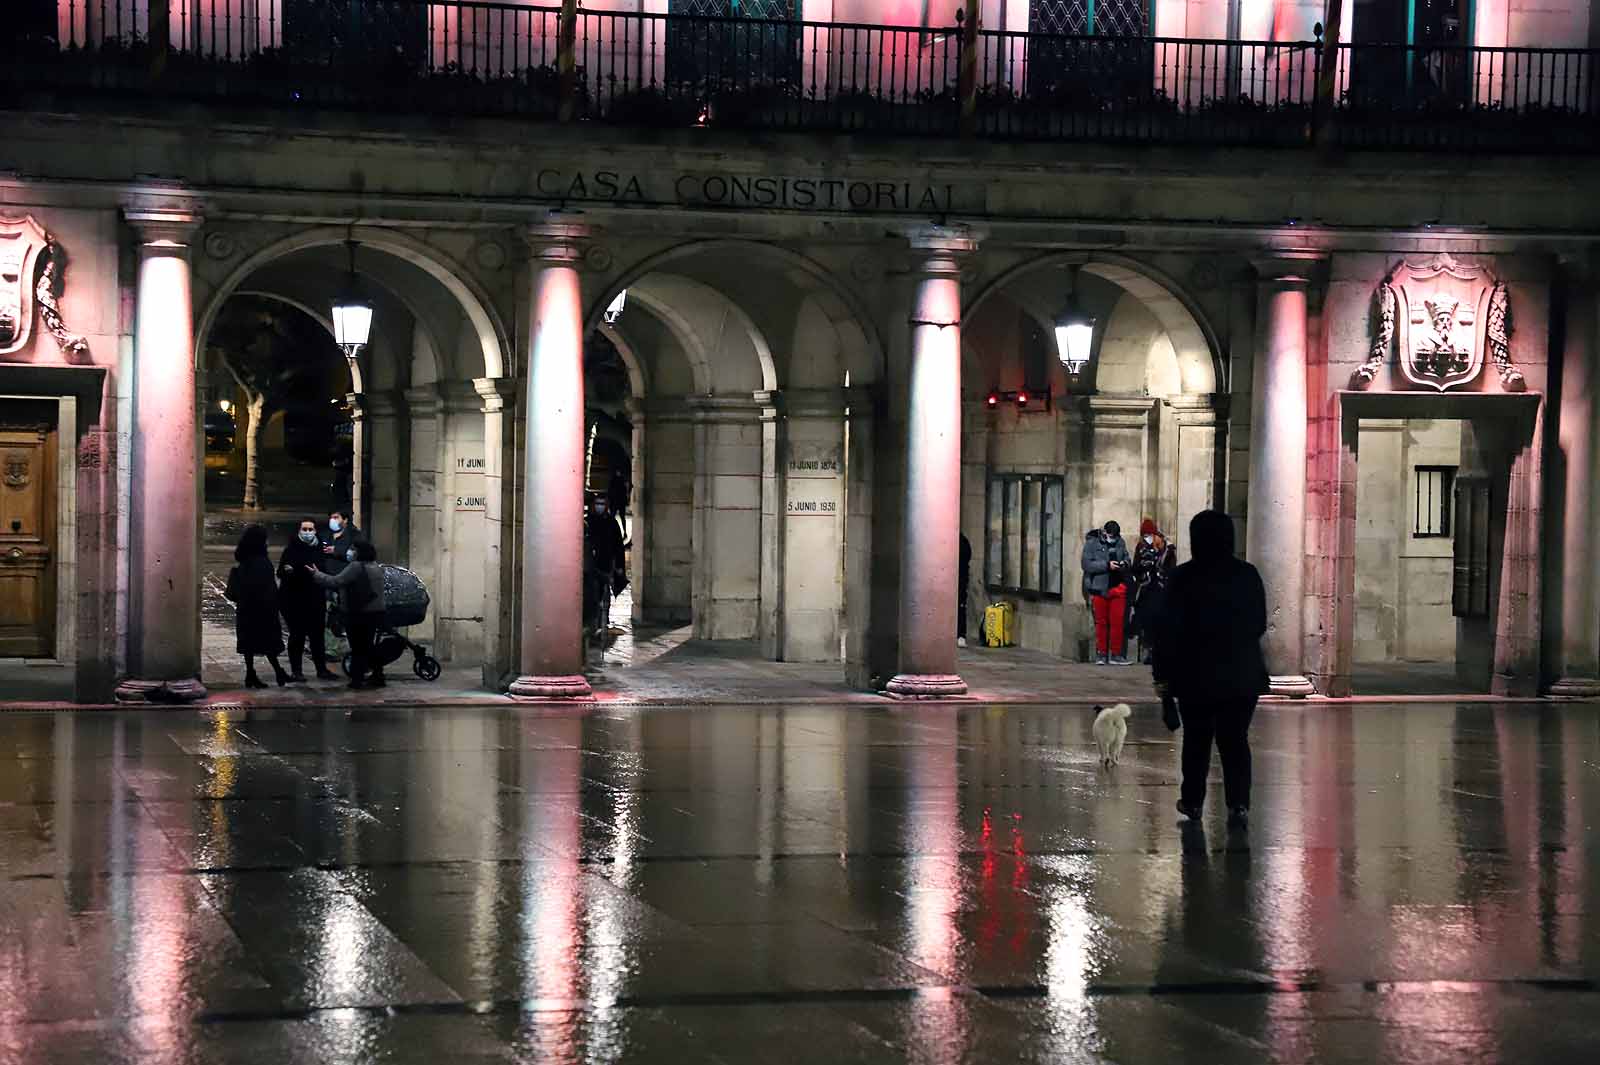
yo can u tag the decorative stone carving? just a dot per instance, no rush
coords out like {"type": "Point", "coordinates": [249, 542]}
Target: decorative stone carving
{"type": "Point", "coordinates": [17, 474]}
{"type": "Point", "coordinates": [220, 245]}
{"type": "Point", "coordinates": [32, 269]}
{"type": "Point", "coordinates": [1444, 315]}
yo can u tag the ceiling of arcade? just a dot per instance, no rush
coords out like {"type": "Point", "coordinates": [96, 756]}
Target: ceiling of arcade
{"type": "Point", "coordinates": [435, 318]}
{"type": "Point", "coordinates": [732, 320]}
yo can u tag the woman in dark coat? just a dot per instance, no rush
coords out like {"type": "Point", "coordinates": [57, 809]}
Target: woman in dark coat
{"type": "Point", "coordinates": [1154, 559]}
{"type": "Point", "coordinates": [254, 594]}
{"type": "Point", "coordinates": [303, 604]}
{"type": "Point", "coordinates": [1208, 656]}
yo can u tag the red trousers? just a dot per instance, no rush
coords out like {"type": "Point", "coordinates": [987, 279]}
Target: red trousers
{"type": "Point", "coordinates": [1110, 615]}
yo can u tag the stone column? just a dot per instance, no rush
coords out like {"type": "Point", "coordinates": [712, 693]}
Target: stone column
{"type": "Point", "coordinates": [638, 525]}
{"type": "Point", "coordinates": [1578, 437]}
{"type": "Point", "coordinates": [1276, 524]}
{"type": "Point", "coordinates": [930, 535]}
{"type": "Point", "coordinates": [550, 658]}
{"type": "Point", "coordinates": [164, 522]}
{"type": "Point", "coordinates": [355, 403]}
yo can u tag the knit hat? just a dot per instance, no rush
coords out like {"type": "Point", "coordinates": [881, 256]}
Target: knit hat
{"type": "Point", "coordinates": [1147, 527]}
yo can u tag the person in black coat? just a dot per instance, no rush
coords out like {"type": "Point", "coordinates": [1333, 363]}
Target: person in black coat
{"type": "Point", "coordinates": [254, 594]}
{"type": "Point", "coordinates": [1208, 656]}
{"type": "Point", "coordinates": [339, 544]}
{"type": "Point", "coordinates": [963, 578]}
{"type": "Point", "coordinates": [303, 604]}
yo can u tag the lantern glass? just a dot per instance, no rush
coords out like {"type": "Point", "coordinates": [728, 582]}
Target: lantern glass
{"type": "Point", "coordinates": [1074, 338]}
{"type": "Point", "coordinates": [352, 324]}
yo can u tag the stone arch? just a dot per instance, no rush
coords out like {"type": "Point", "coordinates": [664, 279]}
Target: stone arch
{"type": "Point", "coordinates": [865, 360]}
{"type": "Point", "coordinates": [638, 375]}
{"type": "Point", "coordinates": [493, 339]}
{"type": "Point", "coordinates": [1202, 368]}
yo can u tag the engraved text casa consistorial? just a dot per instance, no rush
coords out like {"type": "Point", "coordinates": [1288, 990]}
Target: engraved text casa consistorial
{"type": "Point", "coordinates": [1445, 319]}
{"type": "Point", "coordinates": [32, 271]}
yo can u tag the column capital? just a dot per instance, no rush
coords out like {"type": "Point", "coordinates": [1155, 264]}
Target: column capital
{"type": "Point", "coordinates": [497, 392]}
{"type": "Point", "coordinates": [938, 250]}
{"type": "Point", "coordinates": [424, 400]}
{"type": "Point", "coordinates": [559, 240]}
{"type": "Point", "coordinates": [384, 403]}
{"type": "Point", "coordinates": [1295, 266]}
{"type": "Point", "coordinates": [164, 226]}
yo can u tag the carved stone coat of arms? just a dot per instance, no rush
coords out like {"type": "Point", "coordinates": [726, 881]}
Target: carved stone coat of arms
{"type": "Point", "coordinates": [1444, 319]}
{"type": "Point", "coordinates": [31, 272]}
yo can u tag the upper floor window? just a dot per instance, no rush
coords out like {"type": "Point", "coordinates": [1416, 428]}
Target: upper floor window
{"type": "Point", "coordinates": [1434, 486]}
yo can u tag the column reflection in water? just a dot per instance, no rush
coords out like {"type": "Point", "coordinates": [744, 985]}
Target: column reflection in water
{"type": "Point", "coordinates": [938, 1022]}
{"type": "Point", "coordinates": [550, 933]}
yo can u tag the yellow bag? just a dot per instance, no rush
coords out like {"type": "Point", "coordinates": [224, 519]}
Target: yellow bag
{"type": "Point", "coordinates": [1000, 625]}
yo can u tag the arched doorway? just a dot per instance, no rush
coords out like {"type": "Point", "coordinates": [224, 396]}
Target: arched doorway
{"type": "Point", "coordinates": [417, 456]}
{"type": "Point", "coordinates": [748, 373]}
{"type": "Point", "coordinates": [1047, 457]}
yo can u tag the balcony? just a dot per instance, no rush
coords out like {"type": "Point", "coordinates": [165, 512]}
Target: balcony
{"type": "Point", "coordinates": [754, 73]}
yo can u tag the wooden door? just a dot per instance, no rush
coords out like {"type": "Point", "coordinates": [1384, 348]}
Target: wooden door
{"type": "Point", "coordinates": [27, 532]}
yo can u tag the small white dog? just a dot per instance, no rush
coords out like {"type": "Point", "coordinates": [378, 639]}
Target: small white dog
{"type": "Point", "coordinates": [1110, 730]}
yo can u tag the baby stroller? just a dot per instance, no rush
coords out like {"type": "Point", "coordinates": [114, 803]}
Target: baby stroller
{"type": "Point", "coordinates": [405, 600]}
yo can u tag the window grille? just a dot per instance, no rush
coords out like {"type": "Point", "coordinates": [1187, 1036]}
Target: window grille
{"type": "Point", "coordinates": [1023, 538]}
{"type": "Point", "coordinates": [1434, 501]}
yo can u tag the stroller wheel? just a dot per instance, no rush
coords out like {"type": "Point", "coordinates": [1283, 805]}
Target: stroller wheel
{"type": "Point", "coordinates": [346, 663]}
{"type": "Point", "coordinates": [426, 667]}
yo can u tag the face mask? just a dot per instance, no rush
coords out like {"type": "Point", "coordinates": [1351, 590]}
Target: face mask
{"type": "Point", "coordinates": [1109, 538]}
{"type": "Point", "coordinates": [335, 524]}
{"type": "Point", "coordinates": [1150, 539]}
{"type": "Point", "coordinates": [307, 537]}
{"type": "Point", "coordinates": [350, 556]}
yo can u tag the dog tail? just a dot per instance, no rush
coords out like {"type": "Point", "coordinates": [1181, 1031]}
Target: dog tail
{"type": "Point", "coordinates": [1122, 711]}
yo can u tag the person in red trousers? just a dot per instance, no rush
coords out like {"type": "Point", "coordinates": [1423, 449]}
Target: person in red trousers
{"type": "Point", "coordinates": [1106, 566]}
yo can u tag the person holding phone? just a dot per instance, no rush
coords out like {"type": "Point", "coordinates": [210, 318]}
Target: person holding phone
{"type": "Point", "coordinates": [1106, 564]}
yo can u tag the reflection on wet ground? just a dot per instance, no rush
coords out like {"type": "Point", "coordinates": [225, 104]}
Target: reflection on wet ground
{"type": "Point", "coordinates": [793, 885]}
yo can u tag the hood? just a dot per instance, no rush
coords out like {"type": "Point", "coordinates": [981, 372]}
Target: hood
{"type": "Point", "coordinates": [1211, 536]}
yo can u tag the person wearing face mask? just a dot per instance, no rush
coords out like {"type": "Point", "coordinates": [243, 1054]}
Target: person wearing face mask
{"type": "Point", "coordinates": [339, 544]}
{"type": "Point", "coordinates": [304, 605]}
{"type": "Point", "coordinates": [1154, 559]}
{"type": "Point", "coordinates": [1105, 570]}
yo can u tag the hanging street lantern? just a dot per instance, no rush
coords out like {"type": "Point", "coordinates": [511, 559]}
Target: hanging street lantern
{"type": "Point", "coordinates": [614, 308]}
{"type": "Point", "coordinates": [1074, 329]}
{"type": "Point", "coordinates": [352, 314]}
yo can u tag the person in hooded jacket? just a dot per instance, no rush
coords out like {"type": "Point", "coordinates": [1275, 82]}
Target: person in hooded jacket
{"type": "Point", "coordinates": [1208, 656]}
{"type": "Point", "coordinates": [304, 605]}
{"type": "Point", "coordinates": [1105, 569]}
{"type": "Point", "coordinates": [254, 594]}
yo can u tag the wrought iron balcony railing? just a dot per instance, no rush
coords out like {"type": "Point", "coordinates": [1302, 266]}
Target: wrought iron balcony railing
{"type": "Point", "coordinates": [483, 58]}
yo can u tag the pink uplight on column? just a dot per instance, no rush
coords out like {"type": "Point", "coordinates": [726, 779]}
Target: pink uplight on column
{"type": "Point", "coordinates": [164, 540]}
{"type": "Point", "coordinates": [932, 526]}
{"type": "Point", "coordinates": [1275, 525]}
{"type": "Point", "coordinates": [550, 661]}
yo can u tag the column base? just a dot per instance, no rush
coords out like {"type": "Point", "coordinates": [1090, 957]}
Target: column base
{"type": "Point", "coordinates": [1577, 687]}
{"type": "Point", "coordinates": [1292, 685]}
{"type": "Point", "coordinates": [161, 692]}
{"type": "Point", "coordinates": [569, 687]}
{"type": "Point", "coordinates": [926, 686]}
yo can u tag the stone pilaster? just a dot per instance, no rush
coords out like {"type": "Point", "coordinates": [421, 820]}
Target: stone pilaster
{"type": "Point", "coordinates": [164, 525]}
{"type": "Point", "coordinates": [1275, 531]}
{"type": "Point", "coordinates": [1577, 652]}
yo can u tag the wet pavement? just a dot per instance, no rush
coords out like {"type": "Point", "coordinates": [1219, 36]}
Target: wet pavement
{"type": "Point", "coordinates": [803, 884]}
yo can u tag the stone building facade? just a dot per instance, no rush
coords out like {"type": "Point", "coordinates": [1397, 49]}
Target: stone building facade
{"type": "Point", "coordinates": [838, 346]}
